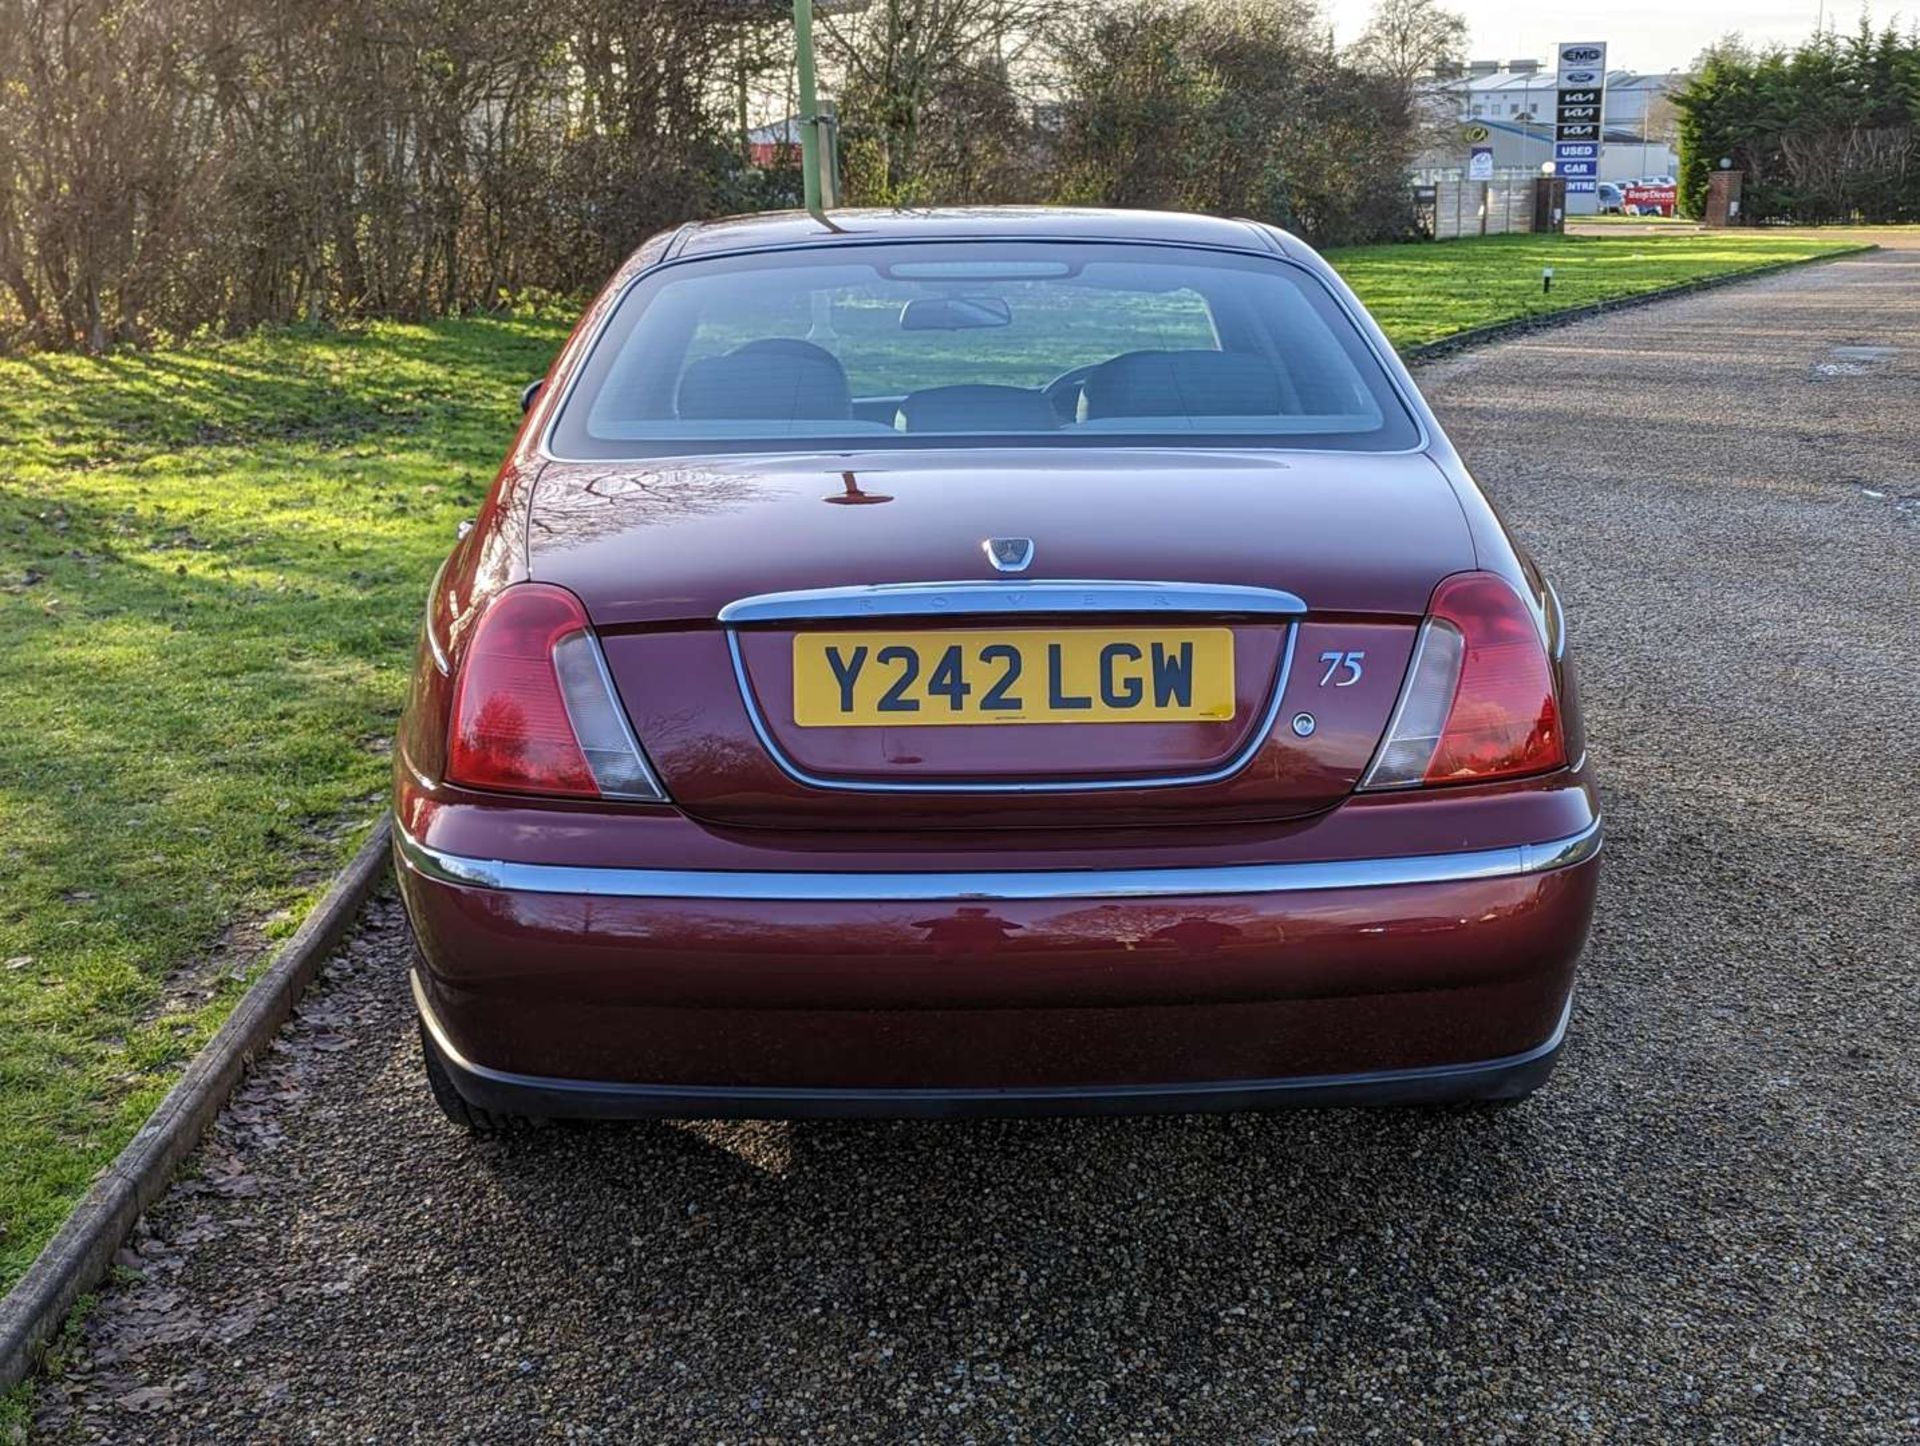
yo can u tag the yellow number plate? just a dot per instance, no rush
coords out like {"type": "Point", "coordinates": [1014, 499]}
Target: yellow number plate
{"type": "Point", "coordinates": [1086, 675]}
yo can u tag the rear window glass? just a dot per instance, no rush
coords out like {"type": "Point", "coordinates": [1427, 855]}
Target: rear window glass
{"type": "Point", "coordinates": [856, 347]}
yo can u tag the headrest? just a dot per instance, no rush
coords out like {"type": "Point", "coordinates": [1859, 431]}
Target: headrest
{"type": "Point", "coordinates": [1181, 384]}
{"type": "Point", "coordinates": [776, 379]}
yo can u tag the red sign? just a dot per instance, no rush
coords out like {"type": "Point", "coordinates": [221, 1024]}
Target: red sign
{"type": "Point", "coordinates": [1656, 200]}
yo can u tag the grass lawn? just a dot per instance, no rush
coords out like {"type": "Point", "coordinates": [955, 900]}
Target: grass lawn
{"type": "Point", "coordinates": [211, 568]}
{"type": "Point", "coordinates": [212, 563]}
{"type": "Point", "coordinates": [1423, 293]}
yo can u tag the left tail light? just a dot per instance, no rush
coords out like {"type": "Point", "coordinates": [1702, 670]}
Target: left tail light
{"type": "Point", "coordinates": [534, 707]}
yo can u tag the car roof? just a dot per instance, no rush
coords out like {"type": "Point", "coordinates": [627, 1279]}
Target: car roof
{"type": "Point", "coordinates": [972, 223]}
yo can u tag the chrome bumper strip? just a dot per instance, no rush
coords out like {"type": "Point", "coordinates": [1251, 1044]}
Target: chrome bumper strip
{"type": "Point", "coordinates": [1032, 884]}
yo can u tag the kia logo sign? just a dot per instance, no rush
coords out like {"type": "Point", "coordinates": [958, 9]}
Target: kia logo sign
{"type": "Point", "coordinates": [1581, 55]}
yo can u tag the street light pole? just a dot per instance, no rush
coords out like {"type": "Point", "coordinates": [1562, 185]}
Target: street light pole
{"type": "Point", "coordinates": [809, 110]}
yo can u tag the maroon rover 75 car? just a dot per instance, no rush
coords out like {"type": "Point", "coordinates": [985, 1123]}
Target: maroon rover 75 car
{"type": "Point", "coordinates": [987, 660]}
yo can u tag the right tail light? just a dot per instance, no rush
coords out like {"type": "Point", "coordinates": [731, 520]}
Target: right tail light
{"type": "Point", "coordinates": [1478, 703]}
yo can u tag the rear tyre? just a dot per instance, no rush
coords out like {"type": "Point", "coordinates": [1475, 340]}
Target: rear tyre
{"type": "Point", "coordinates": [469, 1117]}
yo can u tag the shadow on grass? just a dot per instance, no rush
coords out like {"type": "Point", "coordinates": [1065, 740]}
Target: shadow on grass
{"type": "Point", "coordinates": [329, 389]}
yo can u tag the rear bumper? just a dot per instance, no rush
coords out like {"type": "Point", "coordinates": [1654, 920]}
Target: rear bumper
{"type": "Point", "coordinates": [568, 990]}
{"type": "Point", "coordinates": [516, 1094]}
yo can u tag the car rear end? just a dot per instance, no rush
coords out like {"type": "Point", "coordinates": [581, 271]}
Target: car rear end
{"type": "Point", "coordinates": [1022, 772]}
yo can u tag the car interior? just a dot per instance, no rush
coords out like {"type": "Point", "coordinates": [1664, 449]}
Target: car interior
{"type": "Point", "coordinates": [788, 379]}
{"type": "Point", "coordinates": [1208, 355]}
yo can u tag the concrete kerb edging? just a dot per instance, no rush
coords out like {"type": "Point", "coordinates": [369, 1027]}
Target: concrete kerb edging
{"type": "Point", "coordinates": [76, 1259]}
{"type": "Point", "coordinates": [1548, 320]}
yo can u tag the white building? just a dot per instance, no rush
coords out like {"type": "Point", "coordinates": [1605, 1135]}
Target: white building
{"type": "Point", "coordinates": [1514, 100]}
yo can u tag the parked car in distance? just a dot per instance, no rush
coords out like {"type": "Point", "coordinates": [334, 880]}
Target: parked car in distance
{"type": "Point", "coordinates": [987, 660]}
{"type": "Point", "coordinates": [1610, 198]}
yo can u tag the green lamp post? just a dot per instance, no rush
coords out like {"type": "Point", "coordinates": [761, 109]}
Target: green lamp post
{"type": "Point", "coordinates": [810, 121]}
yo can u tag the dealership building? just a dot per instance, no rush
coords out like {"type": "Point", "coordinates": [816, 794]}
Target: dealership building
{"type": "Point", "coordinates": [1514, 101]}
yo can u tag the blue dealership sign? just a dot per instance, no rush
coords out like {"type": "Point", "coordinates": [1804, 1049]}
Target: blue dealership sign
{"type": "Point", "coordinates": [1579, 111]}
{"type": "Point", "coordinates": [1582, 188]}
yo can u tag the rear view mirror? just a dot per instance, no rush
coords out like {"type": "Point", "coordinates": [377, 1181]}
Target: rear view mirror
{"type": "Point", "coordinates": [954, 313]}
{"type": "Point", "coordinates": [529, 392]}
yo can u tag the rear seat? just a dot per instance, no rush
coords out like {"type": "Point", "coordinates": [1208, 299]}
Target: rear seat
{"type": "Point", "coordinates": [776, 379]}
{"type": "Point", "coordinates": [975, 408]}
{"type": "Point", "coordinates": [1194, 383]}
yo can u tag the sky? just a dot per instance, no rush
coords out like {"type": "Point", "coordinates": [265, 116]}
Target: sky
{"type": "Point", "coordinates": [1640, 35]}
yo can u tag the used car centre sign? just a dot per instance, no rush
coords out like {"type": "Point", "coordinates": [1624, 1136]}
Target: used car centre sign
{"type": "Point", "coordinates": [1580, 95]}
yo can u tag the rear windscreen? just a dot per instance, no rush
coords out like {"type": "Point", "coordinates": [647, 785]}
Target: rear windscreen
{"type": "Point", "coordinates": [865, 346]}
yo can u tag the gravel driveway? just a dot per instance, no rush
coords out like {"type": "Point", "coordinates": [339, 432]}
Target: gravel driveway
{"type": "Point", "coordinates": [1708, 1227]}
